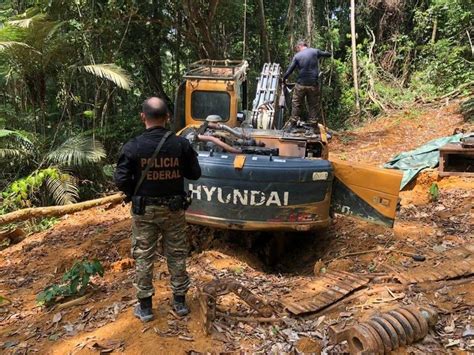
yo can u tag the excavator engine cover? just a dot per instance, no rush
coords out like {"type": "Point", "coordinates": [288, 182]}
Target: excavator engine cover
{"type": "Point", "coordinates": [265, 193]}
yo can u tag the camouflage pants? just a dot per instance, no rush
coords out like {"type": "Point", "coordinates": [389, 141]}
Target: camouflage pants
{"type": "Point", "coordinates": [311, 94]}
{"type": "Point", "coordinates": [146, 230]}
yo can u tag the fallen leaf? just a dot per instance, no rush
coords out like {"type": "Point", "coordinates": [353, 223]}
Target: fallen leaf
{"type": "Point", "coordinates": [107, 347]}
{"type": "Point", "coordinates": [10, 344]}
{"type": "Point", "coordinates": [319, 321]}
{"type": "Point", "coordinates": [450, 328]}
{"type": "Point", "coordinates": [57, 318]}
{"type": "Point", "coordinates": [23, 345]}
{"type": "Point", "coordinates": [54, 337]}
{"type": "Point", "coordinates": [68, 328]}
{"type": "Point", "coordinates": [117, 307]}
{"type": "Point", "coordinates": [291, 335]}
{"type": "Point", "coordinates": [452, 343]}
{"type": "Point", "coordinates": [219, 337]}
{"type": "Point", "coordinates": [439, 248]}
{"type": "Point", "coordinates": [182, 337]}
{"type": "Point", "coordinates": [468, 332]}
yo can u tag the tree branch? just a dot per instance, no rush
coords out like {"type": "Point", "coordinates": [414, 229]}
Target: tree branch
{"type": "Point", "coordinates": [56, 211]}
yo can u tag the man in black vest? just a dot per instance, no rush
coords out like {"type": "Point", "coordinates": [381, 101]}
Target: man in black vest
{"type": "Point", "coordinates": [306, 60]}
{"type": "Point", "coordinates": [151, 171]}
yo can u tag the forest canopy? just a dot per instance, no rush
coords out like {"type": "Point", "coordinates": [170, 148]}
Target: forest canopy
{"type": "Point", "coordinates": [73, 73]}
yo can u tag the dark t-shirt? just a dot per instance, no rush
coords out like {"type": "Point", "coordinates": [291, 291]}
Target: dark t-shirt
{"type": "Point", "coordinates": [176, 160]}
{"type": "Point", "coordinates": [306, 61]}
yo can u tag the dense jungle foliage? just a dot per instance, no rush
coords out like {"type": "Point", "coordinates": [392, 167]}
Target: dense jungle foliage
{"type": "Point", "coordinates": [73, 73]}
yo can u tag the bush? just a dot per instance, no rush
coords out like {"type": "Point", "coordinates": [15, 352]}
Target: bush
{"type": "Point", "coordinates": [338, 98]}
{"type": "Point", "coordinates": [443, 66]}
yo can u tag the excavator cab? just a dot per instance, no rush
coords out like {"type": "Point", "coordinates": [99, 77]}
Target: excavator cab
{"type": "Point", "coordinates": [212, 87]}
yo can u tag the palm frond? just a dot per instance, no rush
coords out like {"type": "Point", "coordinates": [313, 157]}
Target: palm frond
{"type": "Point", "coordinates": [23, 23]}
{"type": "Point", "coordinates": [63, 190]}
{"type": "Point", "coordinates": [14, 144]}
{"type": "Point", "coordinates": [13, 44]}
{"type": "Point", "coordinates": [17, 134]}
{"type": "Point", "coordinates": [26, 22]}
{"type": "Point", "coordinates": [110, 72]}
{"type": "Point", "coordinates": [76, 152]}
{"type": "Point", "coordinates": [10, 153]}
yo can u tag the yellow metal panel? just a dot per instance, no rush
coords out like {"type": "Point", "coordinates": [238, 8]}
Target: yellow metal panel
{"type": "Point", "coordinates": [211, 85]}
{"type": "Point", "coordinates": [378, 187]}
{"type": "Point", "coordinates": [239, 161]}
{"type": "Point", "coordinates": [324, 136]}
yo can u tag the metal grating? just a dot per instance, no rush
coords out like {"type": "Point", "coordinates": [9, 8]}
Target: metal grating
{"type": "Point", "coordinates": [323, 291]}
{"type": "Point", "coordinates": [217, 69]}
{"type": "Point", "coordinates": [263, 110]}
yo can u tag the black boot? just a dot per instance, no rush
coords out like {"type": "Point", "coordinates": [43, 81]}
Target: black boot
{"type": "Point", "coordinates": [144, 311]}
{"type": "Point", "coordinates": [179, 305]}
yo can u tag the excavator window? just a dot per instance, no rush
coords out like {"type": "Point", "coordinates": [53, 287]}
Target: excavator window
{"type": "Point", "coordinates": [205, 103]}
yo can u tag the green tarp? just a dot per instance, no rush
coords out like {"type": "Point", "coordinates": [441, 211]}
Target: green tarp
{"type": "Point", "coordinates": [426, 156]}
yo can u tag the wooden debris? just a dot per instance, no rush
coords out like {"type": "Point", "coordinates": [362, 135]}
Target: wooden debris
{"type": "Point", "coordinates": [56, 211]}
{"type": "Point", "coordinates": [74, 302]}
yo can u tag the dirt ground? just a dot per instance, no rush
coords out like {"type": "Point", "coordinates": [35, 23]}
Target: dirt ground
{"type": "Point", "coordinates": [103, 321]}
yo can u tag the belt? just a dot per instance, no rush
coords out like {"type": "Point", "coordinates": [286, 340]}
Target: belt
{"type": "Point", "coordinates": [160, 201]}
{"type": "Point", "coordinates": [308, 84]}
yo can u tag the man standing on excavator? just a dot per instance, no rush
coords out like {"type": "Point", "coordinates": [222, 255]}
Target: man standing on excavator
{"type": "Point", "coordinates": [307, 61]}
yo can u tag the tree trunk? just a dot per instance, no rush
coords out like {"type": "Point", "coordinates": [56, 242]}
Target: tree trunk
{"type": "Point", "coordinates": [291, 23]}
{"type": "Point", "coordinates": [328, 19]}
{"type": "Point", "coordinates": [199, 26]}
{"type": "Point", "coordinates": [309, 21]}
{"type": "Point", "coordinates": [56, 211]}
{"type": "Point", "coordinates": [470, 42]}
{"type": "Point", "coordinates": [263, 32]}
{"type": "Point", "coordinates": [354, 56]}
{"type": "Point", "coordinates": [153, 68]}
{"type": "Point", "coordinates": [244, 36]}
{"type": "Point", "coordinates": [435, 28]}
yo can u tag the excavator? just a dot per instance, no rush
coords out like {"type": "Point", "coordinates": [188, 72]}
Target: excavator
{"type": "Point", "coordinates": [259, 174]}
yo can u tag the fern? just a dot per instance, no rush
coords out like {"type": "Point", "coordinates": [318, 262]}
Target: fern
{"type": "Point", "coordinates": [110, 72]}
{"type": "Point", "coordinates": [63, 190]}
{"type": "Point", "coordinates": [76, 152]}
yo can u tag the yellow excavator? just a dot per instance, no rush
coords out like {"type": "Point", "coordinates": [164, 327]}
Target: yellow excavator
{"type": "Point", "coordinates": [261, 175]}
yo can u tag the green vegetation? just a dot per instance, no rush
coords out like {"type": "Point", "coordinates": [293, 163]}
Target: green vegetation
{"type": "Point", "coordinates": [74, 282]}
{"type": "Point", "coordinates": [74, 73]}
{"type": "Point", "coordinates": [434, 192]}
